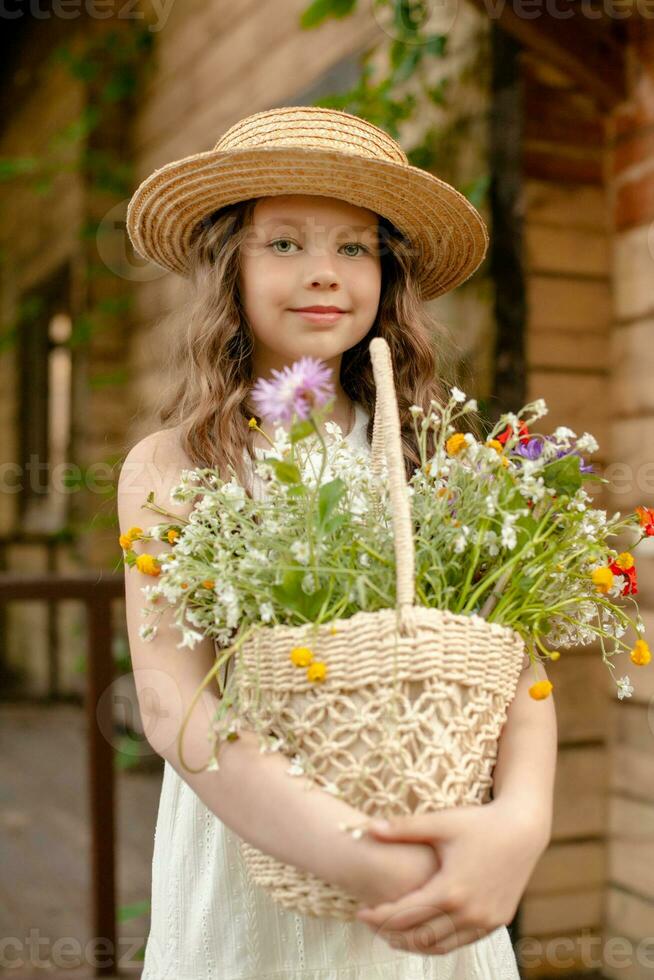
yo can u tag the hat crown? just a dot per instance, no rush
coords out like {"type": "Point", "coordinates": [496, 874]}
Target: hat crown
{"type": "Point", "coordinates": [312, 127]}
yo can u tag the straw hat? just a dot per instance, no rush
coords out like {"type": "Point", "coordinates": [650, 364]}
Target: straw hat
{"type": "Point", "coordinates": [310, 150]}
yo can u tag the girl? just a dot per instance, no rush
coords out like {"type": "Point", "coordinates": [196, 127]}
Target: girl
{"type": "Point", "coordinates": [296, 209]}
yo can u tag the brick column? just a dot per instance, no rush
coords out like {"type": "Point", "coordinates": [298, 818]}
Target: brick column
{"type": "Point", "coordinates": [629, 909]}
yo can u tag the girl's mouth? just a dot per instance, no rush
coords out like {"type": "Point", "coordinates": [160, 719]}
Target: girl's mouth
{"type": "Point", "coordinates": [319, 317]}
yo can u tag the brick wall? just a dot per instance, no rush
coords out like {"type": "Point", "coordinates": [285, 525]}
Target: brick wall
{"type": "Point", "coordinates": [630, 887]}
{"type": "Point", "coordinates": [568, 282]}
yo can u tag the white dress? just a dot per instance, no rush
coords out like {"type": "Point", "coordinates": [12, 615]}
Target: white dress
{"type": "Point", "coordinates": [209, 922]}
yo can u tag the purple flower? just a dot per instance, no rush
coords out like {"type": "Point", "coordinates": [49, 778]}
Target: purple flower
{"type": "Point", "coordinates": [530, 449]}
{"type": "Point", "coordinates": [297, 389]}
{"type": "Point", "coordinates": [533, 448]}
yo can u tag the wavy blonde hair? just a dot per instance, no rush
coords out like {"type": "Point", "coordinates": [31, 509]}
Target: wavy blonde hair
{"type": "Point", "coordinates": [208, 397]}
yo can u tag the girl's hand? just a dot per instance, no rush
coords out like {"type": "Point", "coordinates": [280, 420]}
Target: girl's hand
{"type": "Point", "coordinates": [487, 856]}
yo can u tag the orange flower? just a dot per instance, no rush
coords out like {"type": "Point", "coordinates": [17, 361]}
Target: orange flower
{"type": "Point", "coordinates": [456, 444]}
{"type": "Point", "coordinates": [646, 518]}
{"type": "Point", "coordinates": [208, 583]}
{"type": "Point", "coordinates": [172, 535]}
{"type": "Point", "coordinates": [301, 656]}
{"type": "Point", "coordinates": [131, 535]}
{"type": "Point", "coordinates": [641, 654]}
{"type": "Point", "coordinates": [624, 560]}
{"type": "Point", "coordinates": [317, 671]}
{"type": "Point", "coordinates": [541, 690]}
{"type": "Point", "coordinates": [148, 565]}
{"type": "Point", "coordinates": [602, 579]}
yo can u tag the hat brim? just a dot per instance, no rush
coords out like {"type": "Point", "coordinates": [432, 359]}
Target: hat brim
{"type": "Point", "coordinates": [440, 222]}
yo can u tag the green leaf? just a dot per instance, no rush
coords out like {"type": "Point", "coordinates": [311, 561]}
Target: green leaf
{"type": "Point", "coordinates": [335, 522]}
{"type": "Point", "coordinates": [436, 44]}
{"type": "Point", "coordinates": [404, 59]}
{"type": "Point", "coordinates": [321, 10]}
{"type": "Point", "coordinates": [291, 595]}
{"type": "Point", "coordinates": [134, 911]}
{"type": "Point", "coordinates": [563, 475]}
{"type": "Point", "coordinates": [109, 379]}
{"type": "Point", "coordinates": [437, 92]}
{"type": "Point", "coordinates": [301, 430]}
{"type": "Point", "coordinates": [12, 167]}
{"type": "Point", "coordinates": [477, 189]}
{"type": "Point", "coordinates": [286, 472]}
{"type": "Point", "coordinates": [328, 498]}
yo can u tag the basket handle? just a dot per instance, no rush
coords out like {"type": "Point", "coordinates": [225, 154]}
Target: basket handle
{"type": "Point", "coordinates": [386, 442]}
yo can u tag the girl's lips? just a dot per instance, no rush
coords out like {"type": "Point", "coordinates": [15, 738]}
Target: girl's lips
{"type": "Point", "coordinates": [319, 317]}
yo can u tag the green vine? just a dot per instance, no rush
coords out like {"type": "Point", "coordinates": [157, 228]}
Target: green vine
{"type": "Point", "coordinates": [384, 101]}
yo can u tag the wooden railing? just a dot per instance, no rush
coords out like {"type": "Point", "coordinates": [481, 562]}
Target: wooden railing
{"type": "Point", "coordinates": [97, 590]}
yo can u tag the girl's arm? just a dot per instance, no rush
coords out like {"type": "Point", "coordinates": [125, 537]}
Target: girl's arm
{"type": "Point", "coordinates": [488, 852]}
{"type": "Point", "coordinates": [251, 792]}
{"type": "Point", "coordinates": [523, 778]}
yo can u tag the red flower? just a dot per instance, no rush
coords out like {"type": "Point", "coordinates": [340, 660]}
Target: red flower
{"type": "Point", "coordinates": [646, 518]}
{"type": "Point", "coordinates": [507, 434]}
{"type": "Point", "coordinates": [631, 585]}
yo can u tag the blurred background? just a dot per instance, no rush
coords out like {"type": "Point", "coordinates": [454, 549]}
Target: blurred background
{"type": "Point", "coordinates": [542, 114]}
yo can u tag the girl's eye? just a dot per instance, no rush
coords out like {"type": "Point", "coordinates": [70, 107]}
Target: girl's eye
{"type": "Point", "coordinates": [277, 241]}
{"type": "Point", "coordinates": [287, 241]}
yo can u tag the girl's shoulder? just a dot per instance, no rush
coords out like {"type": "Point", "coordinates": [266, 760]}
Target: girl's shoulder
{"type": "Point", "coordinates": [161, 448]}
{"type": "Point", "coordinates": [154, 463]}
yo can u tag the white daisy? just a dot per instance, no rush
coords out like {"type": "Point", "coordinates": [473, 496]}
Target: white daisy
{"type": "Point", "coordinates": [625, 687]}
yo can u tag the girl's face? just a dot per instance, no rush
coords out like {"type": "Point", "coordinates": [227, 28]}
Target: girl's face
{"type": "Point", "coordinates": [306, 250]}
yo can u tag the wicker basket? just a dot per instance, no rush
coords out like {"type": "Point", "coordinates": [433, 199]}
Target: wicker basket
{"type": "Point", "coordinates": [409, 715]}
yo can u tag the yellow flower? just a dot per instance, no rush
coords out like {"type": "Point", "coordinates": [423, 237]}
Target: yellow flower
{"type": "Point", "coordinates": [131, 535]}
{"type": "Point", "coordinates": [301, 656]}
{"type": "Point", "coordinates": [427, 468]}
{"type": "Point", "coordinates": [172, 535]}
{"type": "Point", "coordinates": [253, 423]}
{"type": "Point", "coordinates": [333, 630]}
{"type": "Point", "coordinates": [317, 671]}
{"type": "Point", "coordinates": [541, 690]}
{"type": "Point", "coordinates": [624, 560]}
{"type": "Point", "coordinates": [554, 655]}
{"type": "Point", "coordinates": [641, 653]}
{"type": "Point", "coordinates": [148, 564]}
{"type": "Point", "coordinates": [495, 444]}
{"type": "Point", "coordinates": [602, 579]}
{"type": "Point", "coordinates": [208, 583]}
{"type": "Point", "coordinates": [504, 461]}
{"type": "Point", "coordinates": [456, 443]}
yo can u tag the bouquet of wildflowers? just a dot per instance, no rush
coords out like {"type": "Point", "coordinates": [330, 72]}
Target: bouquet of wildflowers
{"type": "Point", "coordinates": [503, 530]}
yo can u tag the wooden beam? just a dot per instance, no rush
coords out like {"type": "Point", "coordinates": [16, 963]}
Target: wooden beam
{"type": "Point", "coordinates": [587, 48]}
